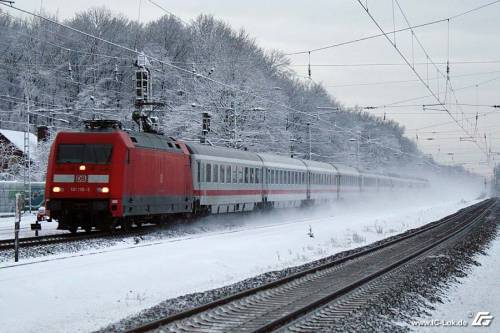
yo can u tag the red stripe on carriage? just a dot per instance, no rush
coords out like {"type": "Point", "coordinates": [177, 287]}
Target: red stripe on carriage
{"type": "Point", "coordinates": [260, 192]}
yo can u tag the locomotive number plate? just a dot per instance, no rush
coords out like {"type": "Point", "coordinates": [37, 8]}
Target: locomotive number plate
{"type": "Point", "coordinates": [81, 178]}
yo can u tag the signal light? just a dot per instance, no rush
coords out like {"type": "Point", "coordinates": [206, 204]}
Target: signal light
{"type": "Point", "coordinates": [82, 167]}
{"type": "Point", "coordinates": [57, 189]}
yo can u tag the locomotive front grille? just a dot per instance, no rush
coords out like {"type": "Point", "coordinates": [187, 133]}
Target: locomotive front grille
{"type": "Point", "coordinates": [56, 205]}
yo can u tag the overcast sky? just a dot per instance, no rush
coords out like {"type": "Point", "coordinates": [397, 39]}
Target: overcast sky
{"type": "Point", "coordinates": [298, 25]}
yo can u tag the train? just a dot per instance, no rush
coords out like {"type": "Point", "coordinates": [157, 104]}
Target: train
{"type": "Point", "coordinates": [106, 176]}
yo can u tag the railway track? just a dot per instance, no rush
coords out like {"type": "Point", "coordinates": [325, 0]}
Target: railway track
{"type": "Point", "coordinates": [7, 244]}
{"type": "Point", "coordinates": [304, 301]}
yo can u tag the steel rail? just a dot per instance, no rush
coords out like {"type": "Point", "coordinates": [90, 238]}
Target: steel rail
{"type": "Point", "coordinates": [465, 213]}
{"type": "Point", "coordinates": [7, 244]}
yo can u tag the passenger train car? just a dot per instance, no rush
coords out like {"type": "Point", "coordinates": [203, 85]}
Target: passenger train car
{"type": "Point", "coordinates": [105, 176]}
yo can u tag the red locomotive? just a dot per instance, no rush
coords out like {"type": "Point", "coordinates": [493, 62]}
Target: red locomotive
{"type": "Point", "coordinates": [106, 176]}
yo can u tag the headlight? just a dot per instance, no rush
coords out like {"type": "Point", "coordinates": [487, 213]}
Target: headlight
{"type": "Point", "coordinates": [82, 167]}
{"type": "Point", "coordinates": [57, 189]}
{"type": "Point", "coordinates": [103, 189]}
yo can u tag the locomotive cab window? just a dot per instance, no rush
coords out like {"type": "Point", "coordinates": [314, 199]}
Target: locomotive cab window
{"type": "Point", "coordinates": [84, 153]}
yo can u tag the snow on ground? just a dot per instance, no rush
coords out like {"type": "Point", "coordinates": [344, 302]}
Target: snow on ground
{"type": "Point", "coordinates": [7, 226]}
{"type": "Point", "coordinates": [85, 291]}
{"type": "Point", "coordinates": [478, 291]}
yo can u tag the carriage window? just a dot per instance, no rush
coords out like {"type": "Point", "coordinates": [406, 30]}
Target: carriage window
{"type": "Point", "coordinates": [198, 172]}
{"type": "Point", "coordinates": [201, 172]}
{"type": "Point", "coordinates": [222, 173]}
{"type": "Point", "coordinates": [228, 174]}
{"type": "Point", "coordinates": [240, 174]}
{"type": "Point", "coordinates": [246, 175]}
{"type": "Point", "coordinates": [257, 175]}
{"type": "Point", "coordinates": [252, 175]}
{"type": "Point", "coordinates": [235, 174]}
{"type": "Point", "coordinates": [208, 174]}
{"type": "Point", "coordinates": [216, 173]}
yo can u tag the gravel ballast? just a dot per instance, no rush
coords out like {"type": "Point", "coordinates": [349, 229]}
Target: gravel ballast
{"type": "Point", "coordinates": [442, 269]}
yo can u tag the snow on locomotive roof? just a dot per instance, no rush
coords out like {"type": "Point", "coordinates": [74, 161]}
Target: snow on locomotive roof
{"type": "Point", "coordinates": [319, 166]}
{"type": "Point", "coordinates": [346, 170]}
{"type": "Point", "coordinates": [214, 151]}
{"type": "Point", "coordinates": [277, 161]}
{"type": "Point", "coordinates": [155, 141]}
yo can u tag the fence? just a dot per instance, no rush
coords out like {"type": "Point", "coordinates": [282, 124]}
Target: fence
{"type": "Point", "coordinates": [8, 190]}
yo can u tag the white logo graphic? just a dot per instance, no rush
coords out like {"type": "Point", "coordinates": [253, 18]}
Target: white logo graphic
{"type": "Point", "coordinates": [482, 318]}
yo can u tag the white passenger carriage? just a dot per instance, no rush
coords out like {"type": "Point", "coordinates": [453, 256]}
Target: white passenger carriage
{"type": "Point", "coordinates": [229, 180]}
{"type": "Point", "coordinates": [349, 181]}
{"type": "Point", "coordinates": [370, 183]}
{"type": "Point", "coordinates": [226, 180]}
{"type": "Point", "coordinates": [286, 181]}
{"type": "Point", "coordinates": [322, 181]}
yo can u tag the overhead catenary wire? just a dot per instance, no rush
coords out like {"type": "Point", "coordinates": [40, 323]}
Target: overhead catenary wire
{"type": "Point", "coordinates": [394, 31]}
{"type": "Point", "coordinates": [419, 63]}
{"type": "Point", "coordinates": [198, 75]}
{"type": "Point", "coordinates": [416, 73]}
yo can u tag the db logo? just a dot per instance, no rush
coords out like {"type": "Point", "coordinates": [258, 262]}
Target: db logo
{"type": "Point", "coordinates": [81, 178]}
{"type": "Point", "coordinates": [482, 318]}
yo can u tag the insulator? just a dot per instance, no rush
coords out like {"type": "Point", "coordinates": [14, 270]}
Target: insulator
{"type": "Point", "coordinates": [116, 72]}
{"type": "Point", "coordinates": [70, 71]}
{"type": "Point", "coordinates": [309, 66]}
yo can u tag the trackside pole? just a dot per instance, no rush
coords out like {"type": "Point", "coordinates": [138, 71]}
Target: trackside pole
{"type": "Point", "coordinates": [19, 204]}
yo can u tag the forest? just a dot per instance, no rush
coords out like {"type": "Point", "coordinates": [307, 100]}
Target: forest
{"type": "Point", "coordinates": [255, 102]}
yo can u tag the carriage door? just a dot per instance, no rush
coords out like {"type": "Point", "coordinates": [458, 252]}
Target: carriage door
{"type": "Point", "coordinates": [337, 181]}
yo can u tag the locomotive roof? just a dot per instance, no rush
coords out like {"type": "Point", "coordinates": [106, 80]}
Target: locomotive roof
{"type": "Point", "coordinates": [215, 151]}
{"type": "Point", "coordinates": [155, 141]}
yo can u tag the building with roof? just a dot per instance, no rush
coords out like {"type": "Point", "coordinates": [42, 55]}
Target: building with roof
{"type": "Point", "coordinates": [12, 148]}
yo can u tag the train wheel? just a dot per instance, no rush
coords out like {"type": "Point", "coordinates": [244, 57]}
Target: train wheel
{"type": "Point", "coordinates": [126, 225]}
{"type": "Point", "coordinates": [73, 228]}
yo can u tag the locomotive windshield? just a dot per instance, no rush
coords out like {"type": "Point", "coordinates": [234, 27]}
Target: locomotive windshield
{"type": "Point", "coordinates": [84, 153]}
